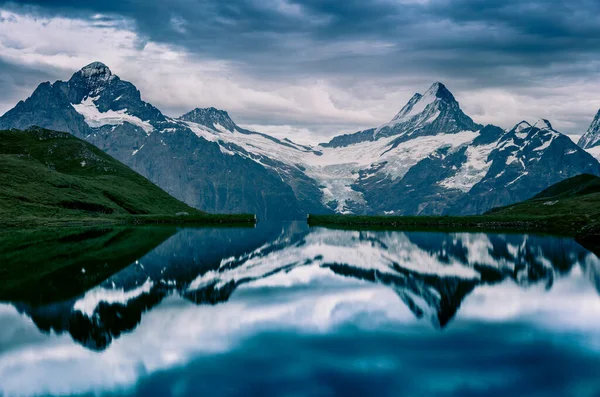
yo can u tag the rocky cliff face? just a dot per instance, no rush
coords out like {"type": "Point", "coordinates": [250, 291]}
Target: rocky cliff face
{"type": "Point", "coordinates": [431, 158]}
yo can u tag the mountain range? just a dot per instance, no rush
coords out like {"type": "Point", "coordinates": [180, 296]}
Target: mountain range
{"type": "Point", "coordinates": [430, 159]}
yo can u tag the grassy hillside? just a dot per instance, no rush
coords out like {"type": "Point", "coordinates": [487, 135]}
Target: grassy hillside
{"type": "Point", "coordinates": [575, 197]}
{"type": "Point", "coordinates": [564, 208]}
{"type": "Point", "coordinates": [52, 177]}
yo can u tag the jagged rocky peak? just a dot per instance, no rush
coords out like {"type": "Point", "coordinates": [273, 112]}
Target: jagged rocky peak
{"type": "Point", "coordinates": [96, 70]}
{"type": "Point", "coordinates": [435, 112]}
{"type": "Point", "coordinates": [526, 127]}
{"type": "Point", "coordinates": [97, 89]}
{"type": "Point", "coordinates": [592, 136]}
{"type": "Point", "coordinates": [210, 117]}
{"type": "Point", "coordinates": [521, 126]}
{"type": "Point", "coordinates": [543, 124]}
{"type": "Point", "coordinates": [90, 81]}
{"type": "Point", "coordinates": [440, 91]}
{"type": "Point", "coordinates": [419, 103]}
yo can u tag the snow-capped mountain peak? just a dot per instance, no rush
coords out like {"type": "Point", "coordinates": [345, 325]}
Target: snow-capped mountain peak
{"type": "Point", "coordinates": [213, 118]}
{"type": "Point", "coordinates": [440, 91]}
{"type": "Point", "coordinates": [592, 137]}
{"type": "Point", "coordinates": [419, 104]}
{"type": "Point", "coordinates": [432, 113]}
{"type": "Point", "coordinates": [102, 98]}
{"type": "Point", "coordinates": [91, 81]}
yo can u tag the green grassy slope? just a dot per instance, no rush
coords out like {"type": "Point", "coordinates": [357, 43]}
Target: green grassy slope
{"type": "Point", "coordinates": [575, 197]}
{"type": "Point", "coordinates": [49, 176]}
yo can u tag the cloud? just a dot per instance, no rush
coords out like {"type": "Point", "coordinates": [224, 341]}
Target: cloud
{"type": "Point", "coordinates": [168, 76]}
{"type": "Point", "coordinates": [331, 68]}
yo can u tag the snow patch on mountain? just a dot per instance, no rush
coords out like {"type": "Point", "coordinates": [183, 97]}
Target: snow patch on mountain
{"type": "Point", "coordinates": [473, 170]}
{"type": "Point", "coordinates": [335, 170]}
{"type": "Point", "coordinates": [546, 144]}
{"type": "Point", "coordinates": [417, 107]}
{"type": "Point", "coordinates": [95, 119]}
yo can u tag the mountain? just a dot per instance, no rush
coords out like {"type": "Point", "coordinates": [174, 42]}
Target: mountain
{"type": "Point", "coordinates": [98, 106]}
{"type": "Point", "coordinates": [429, 114]}
{"type": "Point", "coordinates": [591, 139]}
{"type": "Point", "coordinates": [212, 118]}
{"type": "Point", "coordinates": [430, 159]}
{"type": "Point", "coordinates": [55, 176]}
{"type": "Point", "coordinates": [522, 162]}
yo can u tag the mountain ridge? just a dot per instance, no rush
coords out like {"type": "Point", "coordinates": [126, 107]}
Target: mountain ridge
{"type": "Point", "coordinates": [430, 159]}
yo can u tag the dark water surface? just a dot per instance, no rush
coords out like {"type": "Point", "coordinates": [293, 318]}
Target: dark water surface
{"type": "Point", "coordinates": [290, 311]}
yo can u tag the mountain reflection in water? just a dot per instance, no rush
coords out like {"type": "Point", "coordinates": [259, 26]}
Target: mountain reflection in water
{"type": "Point", "coordinates": [193, 292]}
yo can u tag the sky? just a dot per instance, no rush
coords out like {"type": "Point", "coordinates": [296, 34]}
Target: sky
{"type": "Point", "coordinates": [312, 69]}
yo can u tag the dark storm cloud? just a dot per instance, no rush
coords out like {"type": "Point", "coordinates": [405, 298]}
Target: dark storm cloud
{"type": "Point", "coordinates": [461, 38]}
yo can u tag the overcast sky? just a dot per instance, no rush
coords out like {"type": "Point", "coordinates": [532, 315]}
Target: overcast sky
{"type": "Point", "coordinates": [310, 69]}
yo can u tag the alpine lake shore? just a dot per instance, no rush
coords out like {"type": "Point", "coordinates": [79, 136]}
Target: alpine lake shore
{"type": "Point", "coordinates": [569, 208]}
{"type": "Point", "coordinates": [52, 179]}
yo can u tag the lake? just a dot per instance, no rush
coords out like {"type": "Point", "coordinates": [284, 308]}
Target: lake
{"type": "Point", "coordinates": [284, 309]}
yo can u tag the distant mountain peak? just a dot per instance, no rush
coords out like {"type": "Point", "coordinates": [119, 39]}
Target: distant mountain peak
{"type": "Point", "coordinates": [592, 136]}
{"type": "Point", "coordinates": [521, 126]}
{"type": "Point", "coordinates": [97, 71]}
{"type": "Point", "coordinates": [435, 112]}
{"type": "Point", "coordinates": [543, 124]}
{"type": "Point", "coordinates": [90, 81]}
{"type": "Point", "coordinates": [419, 104]}
{"type": "Point", "coordinates": [440, 91]}
{"type": "Point", "coordinates": [210, 117]}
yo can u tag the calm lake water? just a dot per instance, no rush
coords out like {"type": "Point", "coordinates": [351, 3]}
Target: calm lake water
{"type": "Point", "coordinates": [287, 310]}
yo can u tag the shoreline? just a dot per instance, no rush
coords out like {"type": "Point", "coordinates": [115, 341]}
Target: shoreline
{"type": "Point", "coordinates": [557, 225]}
{"type": "Point", "coordinates": [134, 220]}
